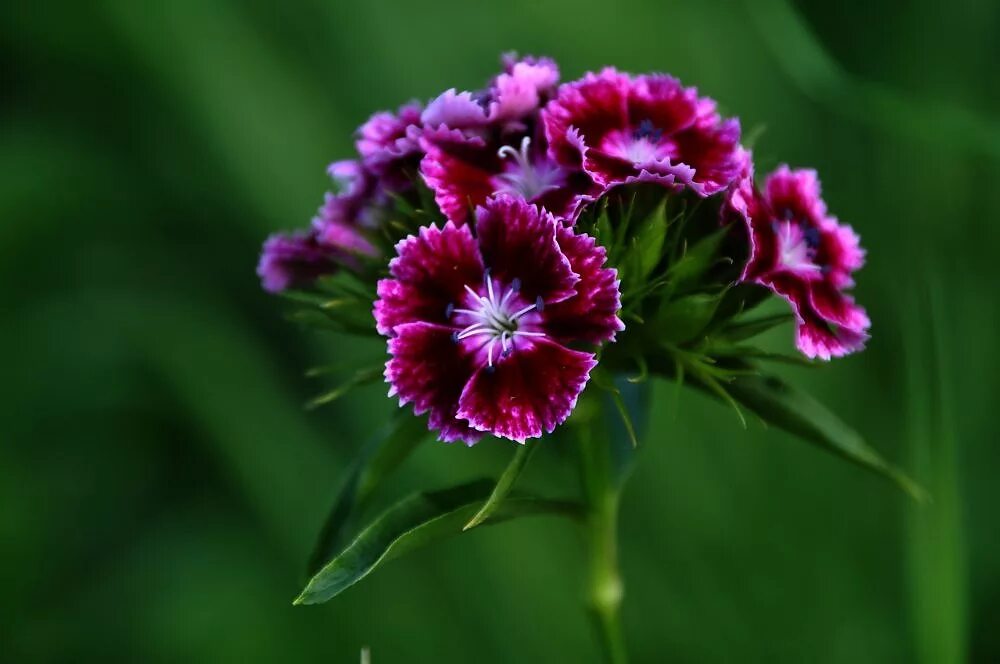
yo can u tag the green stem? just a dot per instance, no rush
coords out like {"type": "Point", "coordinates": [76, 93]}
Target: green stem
{"type": "Point", "coordinates": [604, 583]}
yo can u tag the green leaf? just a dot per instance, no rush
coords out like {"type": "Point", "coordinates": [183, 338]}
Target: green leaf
{"type": "Point", "coordinates": [697, 260]}
{"type": "Point", "coordinates": [686, 317]}
{"type": "Point", "coordinates": [420, 519]}
{"type": "Point", "coordinates": [742, 330]}
{"type": "Point", "coordinates": [647, 243]}
{"type": "Point", "coordinates": [798, 413]}
{"type": "Point", "coordinates": [360, 377]}
{"type": "Point", "coordinates": [380, 456]}
{"type": "Point", "coordinates": [505, 484]}
{"type": "Point", "coordinates": [739, 299]}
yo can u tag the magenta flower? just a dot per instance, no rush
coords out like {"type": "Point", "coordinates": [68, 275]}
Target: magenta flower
{"type": "Point", "coordinates": [463, 171]}
{"type": "Point", "coordinates": [480, 144]}
{"type": "Point", "coordinates": [293, 260]}
{"type": "Point", "coordinates": [480, 324]}
{"type": "Point", "coordinates": [622, 129]}
{"type": "Point", "coordinates": [512, 96]}
{"type": "Point", "coordinates": [340, 221]}
{"type": "Point", "coordinates": [806, 256]}
{"type": "Point", "coordinates": [389, 146]}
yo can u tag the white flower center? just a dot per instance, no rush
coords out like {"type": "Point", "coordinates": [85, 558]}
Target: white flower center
{"type": "Point", "coordinates": [526, 179]}
{"type": "Point", "coordinates": [494, 318]}
{"type": "Point", "coordinates": [796, 251]}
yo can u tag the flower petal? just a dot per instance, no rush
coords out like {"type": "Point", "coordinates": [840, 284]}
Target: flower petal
{"type": "Point", "coordinates": [591, 315]}
{"type": "Point", "coordinates": [518, 241]}
{"type": "Point", "coordinates": [528, 392]}
{"type": "Point", "coordinates": [431, 270]}
{"type": "Point", "coordinates": [429, 370]}
{"type": "Point", "coordinates": [293, 260]}
{"type": "Point", "coordinates": [454, 109]}
{"type": "Point", "coordinates": [817, 334]}
{"type": "Point", "coordinates": [593, 106]}
{"type": "Point", "coordinates": [458, 169]}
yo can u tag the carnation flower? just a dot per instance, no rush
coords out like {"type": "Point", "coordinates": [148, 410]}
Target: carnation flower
{"type": "Point", "coordinates": [805, 255]}
{"type": "Point", "coordinates": [339, 221]}
{"type": "Point", "coordinates": [622, 129]}
{"type": "Point", "coordinates": [520, 90]}
{"type": "Point", "coordinates": [388, 144]}
{"type": "Point", "coordinates": [480, 324]}
{"type": "Point", "coordinates": [550, 215]}
{"type": "Point", "coordinates": [480, 144]}
{"type": "Point", "coordinates": [289, 260]}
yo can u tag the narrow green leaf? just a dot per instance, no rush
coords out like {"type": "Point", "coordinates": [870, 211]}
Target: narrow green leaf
{"type": "Point", "coordinates": [697, 260]}
{"type": "Point", "coordinates": [686, 317]}
{"type": "Point", "coordinates": [380, 456]}
{"type": "Point", "coordinates": [420, 519]}
{"type": "Point", "coordinates": [616, 397]}
{"type": "Point", "coordinates": [505, 484]}
{"type": "Point", "coordinates": [648, 240]}
{"type": "Point", "coordinates": [361, 377]}
{"type": "Point", "coordinates": [742, 330]}
{"type": "Point", "coordinates": [798, 413]}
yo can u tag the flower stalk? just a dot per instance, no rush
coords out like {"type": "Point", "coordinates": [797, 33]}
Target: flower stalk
{"type": "Point", "coordinates": [605, 589]}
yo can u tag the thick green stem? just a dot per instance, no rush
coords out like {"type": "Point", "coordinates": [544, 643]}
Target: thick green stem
{"type": "Point", "coordinates": [604, 583]}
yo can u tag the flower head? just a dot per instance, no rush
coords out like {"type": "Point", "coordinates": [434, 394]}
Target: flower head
{"type": "Point", "coordinates": [290, 260]}
{"type": "Point", "coordinates": [488, 142]}
{"type": "Point", "coordinates": [622, 129]}
{"type": "Point", "coordinates": [339, 221]}
{"type": "Point", "coordinates": [805, 255]}
{"type": "Point", "coordinates": [480, 324]}
{"type": "Point", "coordinates": [388, 144]}
{"type": "Point", "coordinates": [506, 102]}
{"type": "Point", "coordinates": [463, 171]}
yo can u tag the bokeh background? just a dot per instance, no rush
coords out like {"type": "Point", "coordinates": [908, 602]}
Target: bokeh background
{"type": "Point", "coordinates": [161, 483]}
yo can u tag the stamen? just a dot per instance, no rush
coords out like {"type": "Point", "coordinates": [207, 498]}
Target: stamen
{"type": "Point", "coordinates": [527, 180]}
{"type": "Point", "coordinates": [520, 156]}
{"type": "Point", "coordinates": [489, 285]}
{"type": "Point", "coordinates": [530, 307]}
{"type": "Point", "coordinates": [449, 310]}
{"type": "Point", "coordinates": [490, 320]}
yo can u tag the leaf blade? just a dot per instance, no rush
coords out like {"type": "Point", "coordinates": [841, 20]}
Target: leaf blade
{"type": "Point", "coordinates": [380, 456]}
{"type": "Point", "coordinates": [796, 412]}
{"type": "Point", "coordinates": [505, 483]}
{"type": "Point", "coordinates": [413, 522]}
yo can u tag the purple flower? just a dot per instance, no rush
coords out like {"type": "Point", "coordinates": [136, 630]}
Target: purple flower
{"type": "Point", "coordinates": [339, 221]}
{"type": "Point", "coordinates": [292, 260]}
{"type": "Point", "coordinates": [463, 171]}
{"type": "Point", "coordinates": [479, 325]}
{"type": "Point", "coordinates": [622, 129]}
{"type": "Point", "coordinates": [490, 142]}
{"type": "Point", "coordinates": [512, 96]}
{"type": "Point", "coordinates": [389, 147]}
{"type": "Point", "coordinates": [804, 255]}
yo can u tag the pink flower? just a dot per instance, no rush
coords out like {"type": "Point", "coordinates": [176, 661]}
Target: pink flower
{"type": "Point", "coordinates": [480, 324]}
{"type": "Point", "coordinates": [340, 221]}
{"type": "Point", "coordinates": [512, 96]}
{"type": "Point", "coordinates": [805, 255]}
{"type": "Point", "coordinates": [464, 170]}
{"type": "Point", "coordinates": [622, 129]}
{"type": "Point", "coordinates": [388, 144]}
{"type": "Point", "coordinates": [480, 144]}
{"type": "Point", "coordinates": [291, 260]}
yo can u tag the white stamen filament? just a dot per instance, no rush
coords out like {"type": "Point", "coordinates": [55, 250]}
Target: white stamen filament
{"type": "Point", "coordinates": [527, 181]}
{"type": "Point", "coordinates": [493, 321]}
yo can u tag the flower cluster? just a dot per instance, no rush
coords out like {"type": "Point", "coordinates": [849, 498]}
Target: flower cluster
{"type": "Point", "coordinates": [506, 235]}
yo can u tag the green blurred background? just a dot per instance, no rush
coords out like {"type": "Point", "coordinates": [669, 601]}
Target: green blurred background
{"type": "Point", "coordinates": [161, 484]}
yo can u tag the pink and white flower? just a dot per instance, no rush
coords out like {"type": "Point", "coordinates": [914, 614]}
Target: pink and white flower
{"type": "Point", "coordinates": [481, 324]}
